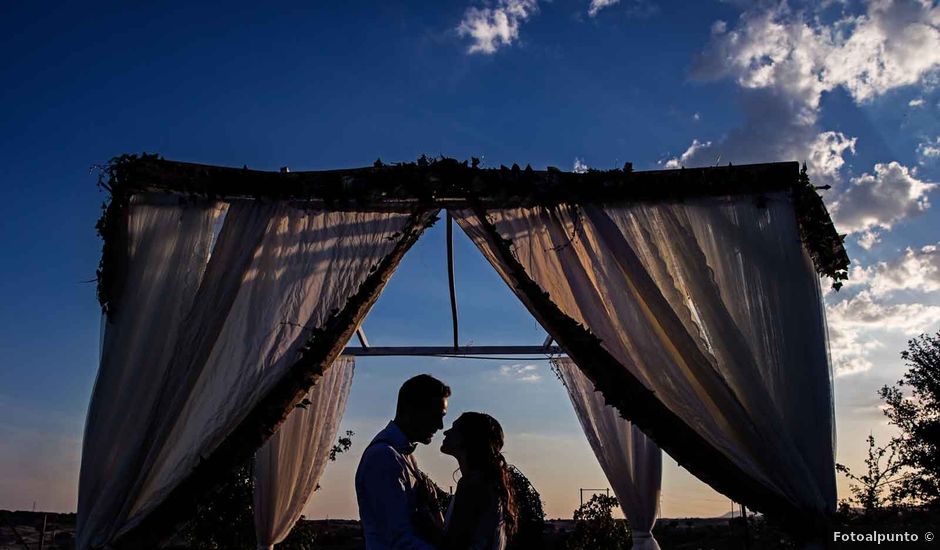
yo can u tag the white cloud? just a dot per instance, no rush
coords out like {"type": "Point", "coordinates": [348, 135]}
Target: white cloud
{"type": "Point", "coordinates": [866, 310]}
{"type": "Point", "coordinates": [853, 365]}
{"type": "Point", "coordinates": [919, 102]}
{"type": "Point", "coordinates": [881, 199]}
{"type": "Point", "coordinates": [784, 60]}
{"type": "Point", "coordinates": [894, 44]}
{"type": "Point", "coordinates": [579, 166]}
{"type": "Point", "coordinates": [826, 153]}
{"type": "Point", "coordinates": [770, 133]}
{"type": "Point", "coordinates": [696, 117]}
{"type": "Point", "coordinates": [857, 326]}
{"type": "Point", "coordinates": [632, 8]}
{"type": "Point", "coordinates": [849, 350]}
{"type": "Point", "coordinates": [689, 155]}
{"type": "Point", "coordinates": [598, 5]}
{"type": "Point", "coordinates": [928, 150]}
{"type": "Point", "coordinates": [492, 28]}
{"type": "Point", "coordinates": [521, 373]}
{"type": "Point", "coordinates": [869, 239]}
{"type": "Point", "coordinates": [916, 269]}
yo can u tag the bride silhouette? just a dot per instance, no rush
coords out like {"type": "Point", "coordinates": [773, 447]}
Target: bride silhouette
{"type": "Point", "coordinates": [482, 515]}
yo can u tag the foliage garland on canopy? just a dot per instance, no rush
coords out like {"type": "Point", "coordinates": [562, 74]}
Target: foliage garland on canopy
{"type": "Point", "coordinates": [443, 179]}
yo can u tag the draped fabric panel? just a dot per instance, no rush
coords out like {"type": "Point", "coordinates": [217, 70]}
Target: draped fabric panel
{"type": "Point", "coordinates": [289, 465]}
{"type": "Point", "coordinates": [713, 305]}
{"type": "Point", "coordinates": [167, 247]}
{"type": "Point", "coordinates": [631, 461]}
{"type": "Point", "coordinates": [200, 336]}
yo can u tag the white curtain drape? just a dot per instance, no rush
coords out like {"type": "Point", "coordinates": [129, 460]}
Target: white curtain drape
{"type": "Point", "coordinates": [632, 463]}
{"type": "Point", "coordinates": [713, 305]}
{"type": "Point", "coordinates": [289, 465]}
{"type": "Point", "coordinates": [199, 336]}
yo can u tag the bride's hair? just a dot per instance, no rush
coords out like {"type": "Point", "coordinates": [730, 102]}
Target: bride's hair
{"type": "Point", "coordinates": [483, 442]}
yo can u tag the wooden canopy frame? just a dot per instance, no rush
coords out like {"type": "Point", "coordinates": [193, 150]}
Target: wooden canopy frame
{"type": "Point", "coordinates": [442, 183]}
{"type": "Point", "coordinates": [422, 188]}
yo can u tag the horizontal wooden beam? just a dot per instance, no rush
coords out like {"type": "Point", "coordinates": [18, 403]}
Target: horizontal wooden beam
{"type": "Point", "coordinates": [432, 351]}
{"type": "Point", "coordinates": [444, 183]}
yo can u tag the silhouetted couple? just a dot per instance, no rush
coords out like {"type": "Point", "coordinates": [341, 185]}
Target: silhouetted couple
{"type": "Point", "coordinates": [399, 505]}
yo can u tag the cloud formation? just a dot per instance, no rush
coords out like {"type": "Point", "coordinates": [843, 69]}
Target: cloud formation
{"type": "Point", "coordinates": [929, 150]}
{"type": "Point", "coordinates": [855, 324]}
{"type": "Point", "coordinates": [774, 130]}
{"type": "Point", "coordinates": [689, 155]}
{"type": "Point", "coordinates": [881, 199]}
{"type": "Point", "coordinates": [598, 5]}
{"type": "Point", "coordinates": [868, 239]}
{"type": "Point", "coordinates": [860, 324]}
{"type": "Point", "coordinates": [895, 43]}
{"type": "Point", "coordinates": [784, 61]}
{"type": "Point", "coordinates": [918, 269]}
{"type": "Point", "coordinates": [634, 8]}
{"type": "Point", "coordinates": [492, 28]}
{"type": "Point", "coordinates": [521, 373]}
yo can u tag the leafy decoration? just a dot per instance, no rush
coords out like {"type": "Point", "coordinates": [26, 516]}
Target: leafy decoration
{"type": "Point", "coordinates": [824, 244]}
{"type": "Point", "coordinates": [447, 182]}
{"type": "Point", "coordinates": [115, 178]}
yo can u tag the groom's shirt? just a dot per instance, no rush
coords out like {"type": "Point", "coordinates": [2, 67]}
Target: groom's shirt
{"type": "Point", "coordinates": [385, 489]}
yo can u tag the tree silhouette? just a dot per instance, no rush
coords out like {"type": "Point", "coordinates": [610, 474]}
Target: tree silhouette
{"type": "Point", "coordinates": [868, 491]}
{"type": "Point", "coordinates": [918, 417]}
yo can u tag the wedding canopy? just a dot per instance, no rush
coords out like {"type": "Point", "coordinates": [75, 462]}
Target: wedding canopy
{"type": "Point", "coordinates": [289, 465]}
{"type": "Point", "coordinates": [688, 298]}
{"type": "Point", "coordinates": [632, 463]}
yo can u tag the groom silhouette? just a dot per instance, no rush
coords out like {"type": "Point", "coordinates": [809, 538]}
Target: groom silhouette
{"type": "Point", "coordinates": [389, 485]}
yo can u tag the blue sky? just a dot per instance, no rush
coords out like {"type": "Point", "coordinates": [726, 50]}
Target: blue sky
{"type": "Point", "coordinates": [851, 87]}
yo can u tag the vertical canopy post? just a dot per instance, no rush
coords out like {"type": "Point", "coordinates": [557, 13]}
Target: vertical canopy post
{"type": "Point", "coordinates": [450, 277]}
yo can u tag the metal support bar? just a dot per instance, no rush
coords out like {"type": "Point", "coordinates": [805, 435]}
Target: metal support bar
{"type": "Point", "coordinates": [361, 335]}
{"type": "Point", "coordinates": [450, 276]}
{"type": "Point", "coordinates": [548, 341]}
{"type": "Point", "coordinates": [581, 491]}
{"type": "Point", "coordinates": [378, 351]}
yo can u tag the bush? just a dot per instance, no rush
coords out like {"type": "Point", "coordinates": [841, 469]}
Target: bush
{"type": "Point", "coordinates": [225, 517]}
{"type": "Point", "coordinates": [531, 521]}
{"type": "Point", "coordinates": [595, 526]}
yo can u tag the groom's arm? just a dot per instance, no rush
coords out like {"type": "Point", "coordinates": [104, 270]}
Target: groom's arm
{"type": "Point", "coordinates": [386, 492]}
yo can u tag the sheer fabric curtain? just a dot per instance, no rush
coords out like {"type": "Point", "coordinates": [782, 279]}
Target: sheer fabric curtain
{"type": "Point", "coordinates": [632, 462]}
{"type": "Point", "coordinates": [710, 303]}
{"type": "Point", "coordinates": [198, 340]}
{"type": "Point", "coordinates": [289, 465]}
{"type": "Point", "coordinates": [167, 247]}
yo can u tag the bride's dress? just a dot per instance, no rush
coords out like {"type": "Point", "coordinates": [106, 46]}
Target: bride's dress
{"type": "Point", "coordinates": [484, 528]}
